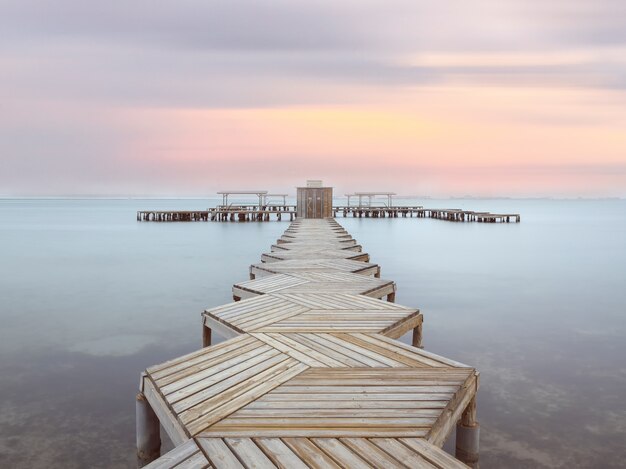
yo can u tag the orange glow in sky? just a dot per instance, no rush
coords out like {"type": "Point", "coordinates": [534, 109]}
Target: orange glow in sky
{"type": "Point", "coordinates": [450, 140]}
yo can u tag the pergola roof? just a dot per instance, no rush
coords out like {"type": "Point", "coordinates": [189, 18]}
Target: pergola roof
{"type": "Point", "coordinates": [373, 193]}
{"type": "Point", "coordinates": [242, 192]}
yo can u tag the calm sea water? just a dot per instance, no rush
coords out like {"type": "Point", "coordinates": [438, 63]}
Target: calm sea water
{"type": "Point", "coordinates": [89, 298]}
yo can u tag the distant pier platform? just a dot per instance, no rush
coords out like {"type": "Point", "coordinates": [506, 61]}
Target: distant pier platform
{"type": "Point", "coordinates": [220, 213]}
{"type": "Point", "coordinates": [248, 213]}
{"type": "Point", "coordinates": [448, 214]}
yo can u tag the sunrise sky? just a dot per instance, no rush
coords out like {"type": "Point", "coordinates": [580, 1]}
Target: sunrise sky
{"type": "Point", "coordinates": [184, 98]}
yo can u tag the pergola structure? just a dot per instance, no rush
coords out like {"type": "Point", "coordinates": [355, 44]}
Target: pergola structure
{"type": "Point", "coordinates": [370, 196]}
{"type": "Point", "coordinates": [284, 196]}
{"type": "Point", "coordinates": [260, 194]}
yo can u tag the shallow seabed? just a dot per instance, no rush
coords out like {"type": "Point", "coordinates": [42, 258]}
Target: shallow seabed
{"type": "Point", "coordinates": [89, 298]}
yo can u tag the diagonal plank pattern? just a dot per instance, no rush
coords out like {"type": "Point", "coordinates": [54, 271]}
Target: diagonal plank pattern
{"type": "Point", "coordinates": [314, 282]}
{"type": "Point", "coordinates": [319, 253]}
{"type": "Point", "coordinates": [307, 245]}
{"type": "Point", "coordinates": [311, 375]}
{"type": "Point", "coordinates": [292, 266]}
{"type": "Point", "coordinates": [303, 453]}
{"type": "Point", "coordinates": [302, 312]}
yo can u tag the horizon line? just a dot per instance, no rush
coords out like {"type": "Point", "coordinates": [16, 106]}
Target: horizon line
{"type": "Point", "coordinates": [200, 197]}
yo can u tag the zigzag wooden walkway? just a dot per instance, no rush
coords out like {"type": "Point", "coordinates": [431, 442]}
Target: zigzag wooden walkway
{"type": "Point", "coordinates": [310, 374]}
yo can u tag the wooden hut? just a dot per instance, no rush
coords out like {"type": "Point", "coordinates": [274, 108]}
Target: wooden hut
{"type": "Point", "coordinates": [315, 200]}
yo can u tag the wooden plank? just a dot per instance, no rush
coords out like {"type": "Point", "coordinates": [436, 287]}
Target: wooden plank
{"type": "Point", "coordinates": [372, 453]}
{"type": "Point", "coordinates": [280, 454]}
{"type": "Point", "coordinates": [197, 461]}
{"type": "Point", "coordinates": [363, 397]}
{"type": "Point", "coordinates": [332, 412]}
{"type": "Point", "coordinates": [366, 372]}
{"type": "Point", "coordinates": [326, 424]}
{"type": "Point", "coordinates": [415, 377]}
{"type": "Point", "coordinates": [402, 453]}
{"type": "Point", "coordinates": [309, 453]}
{"type": "Point", "coordinates": [341, 387]}
{"type": "Point", "coordinates": [433, 454]}
{"type": "Point", "coordinates": [249, 453]}
{"type": "Point", "coordinates": [222, 430]}
{"type": "Point", "coordinates": [341, 454]}
{"type": "Point", "coordinates": [302, 406]}
{"type": "Point", "coordinates": [219, 453]}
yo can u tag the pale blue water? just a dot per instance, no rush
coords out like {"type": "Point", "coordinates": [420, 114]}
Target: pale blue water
{"type": "Point", "coordinates": [89, 297]}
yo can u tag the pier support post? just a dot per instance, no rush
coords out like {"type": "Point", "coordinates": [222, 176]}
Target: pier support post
{"type": "Point", "coordinates": [417, 336]}
{"type": "Point", "coordinates": [391, 297]}
{"type": "Point", "coordinates": [206, 336]}
{"type": "Point", "coordinates": [468, 436]}
{"type": "Point", "coordinates": [148, 432]}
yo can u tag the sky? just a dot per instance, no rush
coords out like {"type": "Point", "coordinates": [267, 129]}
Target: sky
{"type": "Point", "coordinates": [182, 98]}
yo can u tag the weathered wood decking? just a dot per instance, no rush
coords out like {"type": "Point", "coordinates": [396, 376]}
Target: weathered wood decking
{"type": "Point", "coordinates": [303, 453]}
{"type": "Point", "coordinates": [281, 254]}
{"type": "Point", "coordinates": [313, 265]}
{"type": "Point", "coordinates": [314, 282]}
{"type": "Point", "coordinates": [305, 312]}
{"type": "Point", "coordinates": [310, 374]}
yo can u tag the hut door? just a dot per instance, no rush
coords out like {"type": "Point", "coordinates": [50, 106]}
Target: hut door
{"type": "Point", "coordinates": [318, 203]}
{"type": "Point", "coordinates": [314, 203]}
{"type": "Point", "coordinates": [310, 204]}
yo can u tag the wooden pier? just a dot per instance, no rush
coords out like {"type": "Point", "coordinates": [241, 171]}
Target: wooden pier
{"type": "Point", "coordinates": [250, 213]}
{"type": "Point", "coordinates": [448, 214]}
{"type": "Point", "coordinates": [310, 375]}
{"type": "Point", "coordinates": [376, 211]}
{"type": "Point", "coordinates": [222, 213]}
